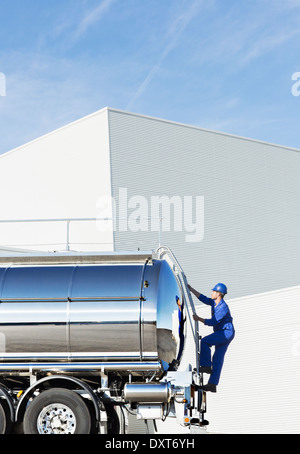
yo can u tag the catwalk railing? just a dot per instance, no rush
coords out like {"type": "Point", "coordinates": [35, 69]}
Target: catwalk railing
{"type": "Point", "coordinates": [65, 244]}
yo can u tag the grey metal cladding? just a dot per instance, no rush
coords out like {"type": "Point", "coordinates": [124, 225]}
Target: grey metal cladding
{"type": "Point", "coordinates": [251, 195]}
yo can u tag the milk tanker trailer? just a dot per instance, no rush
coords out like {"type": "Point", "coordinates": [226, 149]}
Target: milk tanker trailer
{"type": "Point", "coordinates": [85, 337]}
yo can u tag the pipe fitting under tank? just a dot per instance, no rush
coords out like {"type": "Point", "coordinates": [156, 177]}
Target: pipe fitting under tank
{"type": "Point", "coordinates": [148, 392]}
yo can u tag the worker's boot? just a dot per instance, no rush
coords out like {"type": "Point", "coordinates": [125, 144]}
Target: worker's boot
{"type": "Point", "coordinates": [210, 387]}
{"type": "Point", "coordinates": [205, 370]}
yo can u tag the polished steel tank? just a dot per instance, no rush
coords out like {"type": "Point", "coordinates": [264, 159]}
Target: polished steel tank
{"type": "Point", "coordinates": [84, 307]}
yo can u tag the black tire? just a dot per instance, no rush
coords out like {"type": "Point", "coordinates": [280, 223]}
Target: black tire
{"type": "Point", "coordinates": [3, 421]}
{"type": "Point", "coordinates": [113, 422]}
{"type": "Point", "coordinates": [58, 411]}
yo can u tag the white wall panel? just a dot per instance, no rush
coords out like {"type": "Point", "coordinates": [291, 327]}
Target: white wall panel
{"type": "Point", "coordinates": [259, 390]}
{"type": "Point", "coordinates": [59, 175]}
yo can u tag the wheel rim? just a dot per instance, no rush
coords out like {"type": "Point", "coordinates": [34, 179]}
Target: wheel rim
{"type": "Point", "coordinates": [56, 419]}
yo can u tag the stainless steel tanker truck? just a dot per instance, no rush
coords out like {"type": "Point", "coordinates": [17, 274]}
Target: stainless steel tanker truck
{"type": "Point", "coordinates": [87, 337]}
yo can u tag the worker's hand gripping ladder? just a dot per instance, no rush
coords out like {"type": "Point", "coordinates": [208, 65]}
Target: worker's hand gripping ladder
{"type": "Point", "coordinates": [160, 252]}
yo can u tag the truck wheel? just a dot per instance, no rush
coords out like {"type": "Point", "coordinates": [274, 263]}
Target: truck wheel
{"type": "Point", "coordinates": [57, 411]}
{"type": "Point", "coordinates": [2, 420]}
{"type": "Point", "coordinates": [113, 422]}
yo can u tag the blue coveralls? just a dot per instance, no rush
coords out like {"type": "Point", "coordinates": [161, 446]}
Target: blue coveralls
{"type": "Point", "coordinates": [223, 334]}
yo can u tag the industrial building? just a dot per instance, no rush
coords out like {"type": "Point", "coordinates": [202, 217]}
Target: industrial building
{"type": "Point", "coordinates": [227, 206]}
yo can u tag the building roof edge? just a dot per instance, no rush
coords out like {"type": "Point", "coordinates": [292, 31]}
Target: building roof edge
{"type": "Point", "coordinates": [204, 129]}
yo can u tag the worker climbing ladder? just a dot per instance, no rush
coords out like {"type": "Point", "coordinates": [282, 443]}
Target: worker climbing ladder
{"type": "Point", "coordinates": [201, 405]}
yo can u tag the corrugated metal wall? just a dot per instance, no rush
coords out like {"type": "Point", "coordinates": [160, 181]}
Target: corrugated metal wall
{"type": "Point", "coordinates": [251, 200]}
{"type": "Point", "coordinates": [259, 390]}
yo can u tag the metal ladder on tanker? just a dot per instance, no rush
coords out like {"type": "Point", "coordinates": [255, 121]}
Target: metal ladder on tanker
{"type": "Point", "coordinates": [160, 252]}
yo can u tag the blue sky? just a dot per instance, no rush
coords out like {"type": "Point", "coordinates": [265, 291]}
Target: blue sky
{"type": "Point", "coordinates": [225, 65]}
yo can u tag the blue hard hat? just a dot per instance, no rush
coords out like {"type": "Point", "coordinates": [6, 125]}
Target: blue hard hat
{"type": "Point", "coordinates": [220, 288]}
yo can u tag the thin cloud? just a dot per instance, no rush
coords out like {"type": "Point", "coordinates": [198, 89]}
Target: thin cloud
{"type": "Point", "coordinates": [92, 16]}
{"type": "Point", "coordinates": [175, 31]}
{"type": "Point", "coordinates": [236, 39]}
{"type": "Point", "coordinates": [267, 44]}
{"type": "Point", "coordinates": [71, 28]}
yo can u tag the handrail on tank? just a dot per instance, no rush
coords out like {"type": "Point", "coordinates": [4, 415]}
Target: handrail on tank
{"type": "Point", "coordinates": [68, 222]}
{"type": "Point", "coordinates": [160, 251]}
